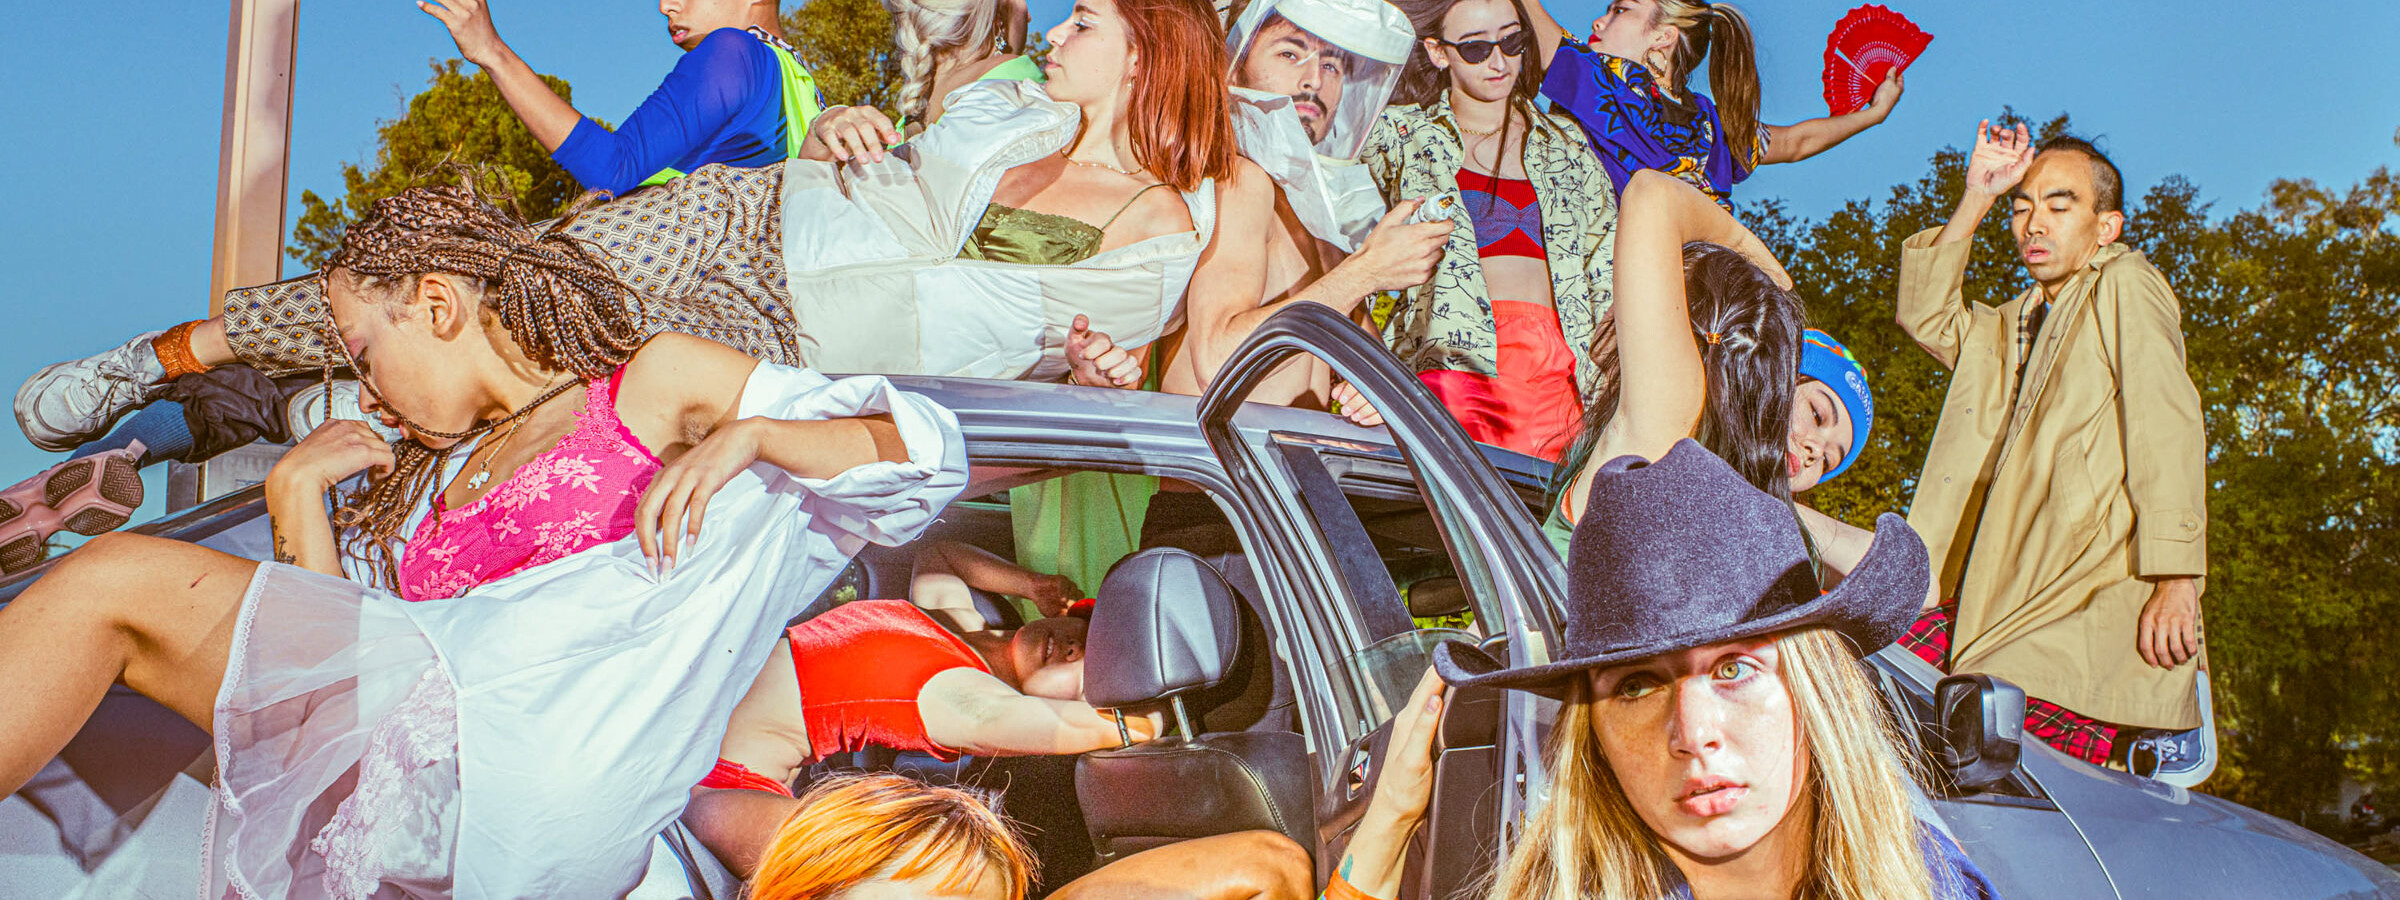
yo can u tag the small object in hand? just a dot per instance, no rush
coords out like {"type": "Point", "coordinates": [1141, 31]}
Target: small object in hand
{"type": "Point", "coordinates": [1867, 46]}
{"type": "Point", "coordinates": [1437, 208]}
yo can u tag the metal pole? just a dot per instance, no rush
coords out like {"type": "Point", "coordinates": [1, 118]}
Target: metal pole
{"type": "Point", "coordinates": [252, 178]}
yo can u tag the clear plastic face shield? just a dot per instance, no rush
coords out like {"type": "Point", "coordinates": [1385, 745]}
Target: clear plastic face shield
{"type": "Point", "coordinates": [1337, 60]}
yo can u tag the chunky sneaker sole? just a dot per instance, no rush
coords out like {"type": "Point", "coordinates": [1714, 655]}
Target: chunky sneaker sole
{"type": "Point", "coordinates": [69, 404]}
{"type": "Point", "coordinates": [93, 495]}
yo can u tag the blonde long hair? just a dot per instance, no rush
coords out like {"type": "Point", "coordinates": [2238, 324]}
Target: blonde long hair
{"type": "Point", "coordinates": [926, 31]}
{"type": "Point", "coordinates": [1587, 841]}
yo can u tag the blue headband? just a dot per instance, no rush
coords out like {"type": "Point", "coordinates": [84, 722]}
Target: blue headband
{"type": "Point", "coordinates": [1826, 360]}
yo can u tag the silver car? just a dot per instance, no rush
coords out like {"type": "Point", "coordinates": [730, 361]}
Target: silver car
{"type": "Point", "coordinates": [1299, 569]}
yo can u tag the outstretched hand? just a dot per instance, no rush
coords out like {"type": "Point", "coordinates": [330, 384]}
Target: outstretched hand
{"type": "Point", "coordinates": [1399, 254]}
{"type": "Point", "coordinates": [668, 519]}
{"type": "Point", "coordinates": [2001, 157]}
{"type": "Point", "coordinates": [470, 24]}
{"type": "Point", "coordinates": [1887, 95]}
{"type": "Point", "coordinates": [1097, 361]}
{"type": "Point", "coordinates": [845, 133]}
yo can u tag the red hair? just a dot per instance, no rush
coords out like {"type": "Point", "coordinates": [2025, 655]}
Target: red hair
{"type": "Point", "coordinates": [1182, 117]}
{"type": "Point", "coordinates": [849, 828]}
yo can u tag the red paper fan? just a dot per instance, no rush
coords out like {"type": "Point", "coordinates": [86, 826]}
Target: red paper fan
{"type": "Point", "coordinates": [1866, 45]}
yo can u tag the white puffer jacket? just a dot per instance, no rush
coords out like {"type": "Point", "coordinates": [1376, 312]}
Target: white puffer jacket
{"type": "Point", "coordinates": [871, 253]}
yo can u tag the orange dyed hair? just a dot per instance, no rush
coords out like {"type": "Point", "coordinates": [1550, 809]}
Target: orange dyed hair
{"type": "Point", "coordinates": [849, 828]}
{"type": "Point", "coordinates": [1182, 117]}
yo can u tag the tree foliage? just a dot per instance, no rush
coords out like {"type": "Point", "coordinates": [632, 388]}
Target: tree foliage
{"type": "Point", "coordinates": [847, 45]}
{"type": "Point", "coordinates": [2292, 331]}
{"type": "Point", "coordinates": [458, 124]}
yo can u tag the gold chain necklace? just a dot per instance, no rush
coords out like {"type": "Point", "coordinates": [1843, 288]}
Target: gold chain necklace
{"type": "Point", "coordinates": [483, 471]}
{"type": "Point", "coordinates": [1062, 154]}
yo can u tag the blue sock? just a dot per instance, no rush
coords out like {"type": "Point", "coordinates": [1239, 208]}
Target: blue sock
{"type": "Point", "coordinates": [160, 428]}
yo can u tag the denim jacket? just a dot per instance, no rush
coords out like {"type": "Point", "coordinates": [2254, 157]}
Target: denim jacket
{"type": "Point", "coordinates": [1415, 151]}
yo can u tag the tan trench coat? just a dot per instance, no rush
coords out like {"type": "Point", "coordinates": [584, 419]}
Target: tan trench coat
{"type": "Point", "coordinates": [2043, 508]}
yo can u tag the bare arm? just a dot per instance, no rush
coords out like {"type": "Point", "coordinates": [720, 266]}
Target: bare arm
{"type": "Point", "coordinates": [687, 393]}
{"type": "Point", "coordinates": [550, 117]}
{"type": "Point", "coordinates": [1801, 140]}
{"type": "Point", "coordinates": [297, 485]}
{"type": "Point", "coordinates": [1547, 33]}
{"type": "Point", "coordinates": [1840, 545]}
{"type": "Point", "coordinates": [1932, 305]}
{"type": "Point", "coordinates": [737, 825]}
{"type": "Point", "coordinates": [1230, 279]}
{"type": "Point", "coordinates": [946, 569]}
{"type": "Point", "coordinates": [1664, 385]}
{"type": "Point", "coordinates": [972, 711]}
{"type": "Point", "coordinates": [1377, 853]}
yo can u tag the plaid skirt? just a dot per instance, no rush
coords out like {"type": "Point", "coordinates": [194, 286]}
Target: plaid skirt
{"type": "Point", "coordinates": [2077, 735]}
{"type": "Point", "coordinates": [703, 254]}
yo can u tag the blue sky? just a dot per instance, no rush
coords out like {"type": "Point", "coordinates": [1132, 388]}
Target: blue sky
{"type": "Point", "coordinates": [111, 151]}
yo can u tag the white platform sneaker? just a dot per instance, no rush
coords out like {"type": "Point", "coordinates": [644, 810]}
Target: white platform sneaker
{"type": "Point", "coordinates": [69, 404]}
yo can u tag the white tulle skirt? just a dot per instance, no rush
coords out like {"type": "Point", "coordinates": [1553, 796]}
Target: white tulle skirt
{"type": "Point", "coordinates": [337, 746]}
{"type": "Point", "coordinates": [529, 738]}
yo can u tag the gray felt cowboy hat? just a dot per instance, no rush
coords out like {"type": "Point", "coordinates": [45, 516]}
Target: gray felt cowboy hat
{"type": "Point", "coordinates": [1683, 553]}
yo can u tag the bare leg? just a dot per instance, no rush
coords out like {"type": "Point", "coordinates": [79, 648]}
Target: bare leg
{"type": "Point", "coordinates": [155, 614]}
{"type": "Point", "coordinates": [1248, 865]}
{"type": "Point", "coordinates": [209, 345]}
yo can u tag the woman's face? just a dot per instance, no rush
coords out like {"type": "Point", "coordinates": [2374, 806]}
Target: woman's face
{"type": "Point", "coordinates": [1820, 436]}
{"type": "Point", "coordinates": [1478, 20]}
{"type": "Point", "coordinates": [1048, 655]}
{"type": "Point", "coordinates": [413, 371]}
{"type": "Point", "coordinates": [1091, 55]}
{"type": "Point", "coordinates": [1626, 30]}
{"type": "Point", "coordinates": [1706, 745]}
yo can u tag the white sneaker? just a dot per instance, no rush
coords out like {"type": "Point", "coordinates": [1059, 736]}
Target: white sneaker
{"type": "Point", "coordinates": [306, 410]}
{"type": "Point", "coordinates": [69, 404]}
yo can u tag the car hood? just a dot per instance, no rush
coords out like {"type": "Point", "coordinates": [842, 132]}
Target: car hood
{"type": "Point", "coordinates": [2154, 836]}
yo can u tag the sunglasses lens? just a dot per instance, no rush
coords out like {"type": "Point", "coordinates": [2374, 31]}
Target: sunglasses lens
{"type": "Point", "coordinates": [1474, 51]}
{"type": "Point", "coordinates": [1514, 45]}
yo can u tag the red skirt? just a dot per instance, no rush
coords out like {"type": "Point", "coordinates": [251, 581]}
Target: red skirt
{"type": "Point", "coordinates": [1532, 406]}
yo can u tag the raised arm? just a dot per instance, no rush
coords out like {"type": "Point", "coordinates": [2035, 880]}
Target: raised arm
{"type": "Point", "coordinates": [550, 117]}
{"type": "Point", "coordinates": [1932, 304]}
{"type": "Point", "coordinates": [1547, 34]}
{"type": "Point", "coordinates": [1801, 140]}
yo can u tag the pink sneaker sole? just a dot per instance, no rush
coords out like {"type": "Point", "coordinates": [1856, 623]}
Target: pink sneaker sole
{"type": "Point", "coordinates": [93, 495]}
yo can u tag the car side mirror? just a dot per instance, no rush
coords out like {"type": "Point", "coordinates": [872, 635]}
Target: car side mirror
{"type": "Point", "coordinates": [1983, 729]}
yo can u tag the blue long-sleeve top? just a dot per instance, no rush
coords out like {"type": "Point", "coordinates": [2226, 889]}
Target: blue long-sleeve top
{"type": "Point", "coordinates": [723, 103]}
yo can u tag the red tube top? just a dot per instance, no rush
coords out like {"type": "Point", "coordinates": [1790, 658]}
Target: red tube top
{"type": "Point", "coordinates": [861, 666]}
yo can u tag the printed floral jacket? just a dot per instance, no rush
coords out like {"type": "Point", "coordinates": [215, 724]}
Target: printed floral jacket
{"type": "Point", "coordinates": [1415, 151]}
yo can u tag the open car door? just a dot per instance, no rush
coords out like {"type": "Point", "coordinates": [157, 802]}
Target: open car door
{"type": "Point", "coordinates": [1356, 621]}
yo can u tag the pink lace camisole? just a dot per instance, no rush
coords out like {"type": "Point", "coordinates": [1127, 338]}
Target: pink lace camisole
{"type": "Point", "coordinates": [574, 496]}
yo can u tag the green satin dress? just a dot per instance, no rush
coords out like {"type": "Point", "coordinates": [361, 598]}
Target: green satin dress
{"type": "Point", "coordinates": [1075, 525]}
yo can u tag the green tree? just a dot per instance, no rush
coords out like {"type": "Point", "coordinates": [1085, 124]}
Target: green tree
{"type": "Point", "coordinates": [847, 45]}
{"type": "Point", "coordinates": [458, 123]}
{"type": "Point", "coordinates": [2292, 331]}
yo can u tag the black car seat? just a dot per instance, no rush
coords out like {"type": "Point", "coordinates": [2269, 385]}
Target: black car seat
{"type": "Point", "coordinates": [1166, 628]}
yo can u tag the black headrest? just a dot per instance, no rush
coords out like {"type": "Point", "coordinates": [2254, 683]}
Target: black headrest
{"type": "Point", "coordinates": [1165, 623]}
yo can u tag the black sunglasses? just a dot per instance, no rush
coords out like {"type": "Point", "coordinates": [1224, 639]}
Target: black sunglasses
{"type": "Point", "coordinates": [1475, 52]}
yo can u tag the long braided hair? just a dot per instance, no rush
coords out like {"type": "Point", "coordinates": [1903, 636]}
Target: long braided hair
{"type": "Point", "coordinates": [555, 295]}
